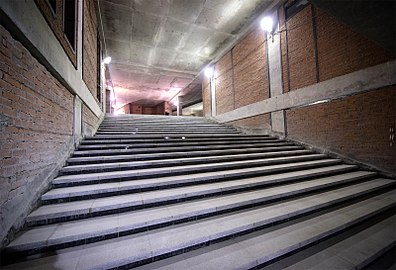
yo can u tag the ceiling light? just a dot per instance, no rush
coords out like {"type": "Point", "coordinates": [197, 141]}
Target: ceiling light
{"type": "Point", "coordinates": [267, 24]}
{"type": "Point", "coordinates": [209, 72]}
{"type": "Point", "coordinates": [107, 60]}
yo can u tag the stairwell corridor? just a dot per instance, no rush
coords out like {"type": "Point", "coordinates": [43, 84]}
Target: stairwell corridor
{"type": "Point", "coordinates": [157, 192]}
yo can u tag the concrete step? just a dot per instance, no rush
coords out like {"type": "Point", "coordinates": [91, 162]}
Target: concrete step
{"type": "Point", "coordinates": [169, 136]}
{"type": "Point", "coordinates": [64, 194]}
{"type": "Point", "coordinates": [167, 133]}
{"type": "Point", "coordinates": [213, 172]}
{"type": "Point", "coordinates": [173, 139]}
{"type": "Point", "coordinates": [44, 237]}
{"type": "Point", "coordinates": [354, 252]}
{"type": "Point", "coordinates": [156, 156]}
{"type": "Point", "coordinates": [170, 144]}
{"type": "Point", "coordinates": [85, 208]}
{"type": "Point", "coordinates": [257, 249]}
{"type": "Point", "coordinates": [248, 251]}
{"type": "Point", "coordinates": [110, 152]}
{"type": "Point", "coordinates": [117, 166]}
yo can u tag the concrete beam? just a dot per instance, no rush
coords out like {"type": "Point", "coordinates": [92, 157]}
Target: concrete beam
{"type": "Point", "coordinates": [353, 83]}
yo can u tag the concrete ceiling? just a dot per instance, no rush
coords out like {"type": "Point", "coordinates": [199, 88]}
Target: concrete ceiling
{"type": "Point", "coordinates": [158, 47]}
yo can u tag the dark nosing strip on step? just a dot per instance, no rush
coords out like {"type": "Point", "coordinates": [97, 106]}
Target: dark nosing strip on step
{"type": "Point", "coordinates": [385, 211]}
{"type": "Point", "coordinates": [99, 169]}
{"type": "Point", "coordinates": [12, 257]}
{"type": "Point", "coordinates": [209, 195]}
{"type": "Point", "coordinates": [170, 186]}
{"type": "Point", "coordinates": [344, 200]}
{"type": "Point", "coordinates": [200, 170]}
{"type": "Point", "coordinates": [110, 152]}
{"type": "Point", "coordinates": [151, 156]}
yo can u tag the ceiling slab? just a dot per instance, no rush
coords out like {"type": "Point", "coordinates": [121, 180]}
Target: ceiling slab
{"type": "Point", "coordinates": [159, 47]}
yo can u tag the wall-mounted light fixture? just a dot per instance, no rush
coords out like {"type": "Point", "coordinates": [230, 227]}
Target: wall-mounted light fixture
{"type": "Point", "coordinates": [209, 71]}
{"type": "Point", "coordinates": [107, 60]}
{"type": "Point", "coordinates": [267, 24]}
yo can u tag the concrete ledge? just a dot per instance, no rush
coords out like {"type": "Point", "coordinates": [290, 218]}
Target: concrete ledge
{"type": "Point", "coordinates": [353, 83]}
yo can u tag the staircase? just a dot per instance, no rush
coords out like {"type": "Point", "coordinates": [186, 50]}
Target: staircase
{"type": "Point", "coordinates": [158, 192]}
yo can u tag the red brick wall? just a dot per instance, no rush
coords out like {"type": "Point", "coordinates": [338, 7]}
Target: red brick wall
{"type": "Point", "coordinates": [90, 47]}
{"type": "Point", "coordinates": [341, 50]}
{"type": "Point", "coordinates": [250, 69]}
{"type": "Point", "coordinates": [301, 49]}
{"type": "Point", "coordinates": [206, 96]}
{"type": "Point", "coordinates": [90, 121]}
{"type": "Point", "coordinates": [36, 116]}
{"type": "Point", "coordinates": [224, 84]}
{"type": "Point", "coordinates": [260, 123]}
{"type": "Point", "coordinates": [357, 126]}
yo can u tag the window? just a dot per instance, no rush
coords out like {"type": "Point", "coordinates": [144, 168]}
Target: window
{"type": "Point", "coordinates": [52, 5]}
{"type": "Point", "coordinates": [69, 22]}
{"type": "Point", "coordinates": [295, 7]}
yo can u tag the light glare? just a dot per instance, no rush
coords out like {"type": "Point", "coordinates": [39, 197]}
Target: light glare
{"type": "Point", "coordinates": [107, 60]}
{"type": "Point", "coordinates": [267, 24]}
{"type": "Point", "coordinates": [209, 72]}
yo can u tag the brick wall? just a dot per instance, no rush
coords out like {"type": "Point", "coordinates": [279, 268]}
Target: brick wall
{"type": "Point", "coordinates": [36, 116]}
{"type": "Point", "coordinates": [90, 121]}
{"type": "Point", "coordinates": [206, 97]}
{"type": "Point", "coordinates": [357, 127]}
{"type": "Point", "coordinates": [301, 49]}
{"type": "Point", "coordinates": [224, 84]}
{"type": "Point", "coordinates": [316, 47]}
{"type": "Point", "coordinates": [341, 50]}
{"type": "Point", "coordinates": [90, 47]}
{"type": "Point", "coordinates": [255, 124]}
{"type": "Point", "coordinates": [250, 69]}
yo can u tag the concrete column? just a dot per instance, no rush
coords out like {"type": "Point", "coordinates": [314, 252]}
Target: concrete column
{"type": "Point", "coordinates": [275, 78]}
{"type": "Point", "coordinates": [213, 96]}
{"type": "Point", "coordinates": [77, 120]}
{"type": "Point", "coordinates": [179, 106]}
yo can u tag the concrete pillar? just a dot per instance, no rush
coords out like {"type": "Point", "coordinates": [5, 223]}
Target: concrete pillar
{"type": "Point", "coordinates": [179, 106]}
{"type": "Point", "coordinates": [77, 120]}
{"type": "Point", "coordinates": [213, 96]}
{"type": "Point", "coordinates": [275, 78]}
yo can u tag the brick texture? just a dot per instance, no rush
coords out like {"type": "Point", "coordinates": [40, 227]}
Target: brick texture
{"type": "Point", "coordinates": [301, 49]}
{"type": "Point", "coordinates": [206, 96]}
{"type": "Point", "coordinates": [90, 48]}
{"type": "Point", "coordinates": [255, 124]}
{"type": "Point", "coordinates": [341, 50]}
{"type": "Point", "coordinates": [250, 69]}
{"type": "Point", "coordinates": [56, 25]}
{"type": "Point", "coordinates": [36, 116]}
{"type": "Point", "coordinates": [90, 121]}
{"type": "Point", "coordinates": [224, 84]}
{"type": "Point", "coordinates": [357, 126]}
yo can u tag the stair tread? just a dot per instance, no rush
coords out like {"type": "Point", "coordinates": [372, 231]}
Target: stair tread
{"type": "Point", "coordinates": [186, 154]}
{"type": "Point", "coordinates": [71, 231]}
{"type": "Point", "coordinates": [137, 199]}
{"type": "Point", "coordinates": [66, 192]}
{"type": "Point", "coordinates": [188, 168]}
{"type": "Point", "coordinates": [259, 246]}
{"type": "Point", "coordinates": [180, 160]}
{"type": "Point", "coordinates": [117, 175]}
{"type": "Point", "coordinates": [177, 148]}
{"type": "Point", "coordinates": [354, 252]}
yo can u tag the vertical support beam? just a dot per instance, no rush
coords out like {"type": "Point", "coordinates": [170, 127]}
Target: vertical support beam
{"type": "Point", "coordinates": [213, 95]}
{"type": "Point", "coordinates": [77, 120]}
{"type": "Point", "coordinates": [275, 78]}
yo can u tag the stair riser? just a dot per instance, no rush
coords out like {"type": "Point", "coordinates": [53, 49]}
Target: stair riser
{"type": "Point", "coordinates": [170, 163]}
{"type": "Point", "coordinates": [167, 144]}
{"type": "Point", "coordinates": [172, 149]}
{"type": "Point", "coordinates": [23, 251]}
{"type": "Point", "coordinates": [222, 191]}
{"type": "Point", "coordinates": [178, 140]}
{"type": "Point", "coordinates": [259, 170]}
{"type": "Point", "coordinates": [146, 157]}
